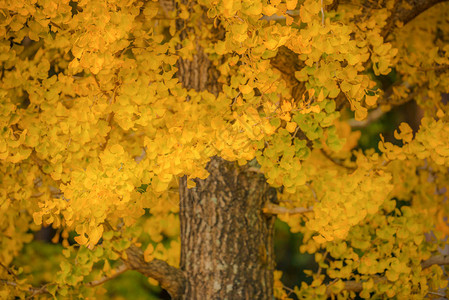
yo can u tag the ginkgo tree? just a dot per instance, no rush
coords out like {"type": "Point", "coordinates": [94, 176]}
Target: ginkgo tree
{"type": "Point", "coordinates": [168, 136]}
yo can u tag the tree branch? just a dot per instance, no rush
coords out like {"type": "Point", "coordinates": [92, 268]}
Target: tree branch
{"type": "Point", "coordinates": [9, 271]}
{"type": "Point", "coordinates": [287, 61]}
{"type": "Point", "coordinates": [388, 96]}
{"type": "Point", "coordinates": [435, 260]}
{"type": "Point", "coordinates": [170, 278]}
{"type": "Point", "coordinates": [373, 116]}
{"type": "Point", "coordinates": [43, 289]}
{"type": "Point", "coordinates": [404, 15]}
{"type": "Point", "coordinates": [120, 270]}
{"type": "Point", "coordinates": [33, 290]}
{"type": "Point", "coordinates": [274, 209]}
{"type": "Point", "coordinates": [337, 161]}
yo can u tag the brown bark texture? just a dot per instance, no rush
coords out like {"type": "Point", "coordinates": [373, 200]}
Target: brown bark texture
{"type": "Point", "coordinates": [226, 239]}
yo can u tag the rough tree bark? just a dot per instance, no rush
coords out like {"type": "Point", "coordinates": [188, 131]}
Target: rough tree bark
{"type": "Point", "coordinates": [226, 239]}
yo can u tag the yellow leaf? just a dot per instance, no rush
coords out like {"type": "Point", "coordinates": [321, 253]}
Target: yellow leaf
{"type": "Point", "coordinates": [254, 9]}
{"type": "Point", "coordinates": [148, 253]}
{"type": "Point", "coordinates": [291, 4]}
{"type": "Point", "coordinates": [286, 106]}
{"type": "Point", "coordinates": [245, 89]}
{"type": "Point", "coordinates": [291, 126]}
{"type": "Point", "coordinates": [315, 109]}
{"type": "Point", "coordinates": [319, 239]}
{"type": "Point", "coordinates": [371, 100]}
{"type": "Point", "coordinates": [271, 44]}
{"type": "Point", "coordinates": [361, 113]}
{"type": "Point", "coordinates": [392, 275]}
{"type": "Point", "coordinates": [320, 96]}
{"type": "Point", "coordinates": [269, 10]}
{"type": "Point", "coordinates": [406, 133]}
{"type": "Point", "coordinates": [95, 235]}
{"type": "Point", "coordinates": [239, 28]}
{"type": "Point", "coordinates": [353, 59]}
{"type": "Point", "coordinates": [81, 239]}
{"type": "Point", "coordinates": [116, 149]}
{"type": "Point", "coordinates": [220, 48]}
{"type": "Point", "coordinates": [37, 218]}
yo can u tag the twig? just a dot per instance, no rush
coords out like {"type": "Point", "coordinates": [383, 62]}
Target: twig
{"type": "Point", "coordinates": [37, 291]}
{"type": "Point", "coordinates": [437, 294]}
{"type": "Point", "coordinates": [120, 270]}
{"type": "Point", "coordinates": [324, 258]}
{"type": "Point", "coordinates": [322, 13]}
{"type": "Point", "coordinates": [289, 290]}
{"type": "Point", "coordinates": [9, 271]}
{"type": "Point", "coordinates": [110, 116]}
{"type": "Point", "coordinates": [353, 285]}
{"type": "Point", "coordinates": [372, 117]}
{"type": "Point", "coordinates": [43, 289]}
{"type": "Point", "coordinates": [34, 291]}
{"type": "Point", "coordinates": [274, 209]}
{"type": "Point", "coordinates": [388, 99]}
{"type": "Point", "coordinates": [255, 170]}
{"type": "Point", "coordinates": [335, 161]}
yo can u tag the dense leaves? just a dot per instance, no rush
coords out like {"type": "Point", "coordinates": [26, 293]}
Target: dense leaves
{"type": "Point", "coordinates": [96, 130]}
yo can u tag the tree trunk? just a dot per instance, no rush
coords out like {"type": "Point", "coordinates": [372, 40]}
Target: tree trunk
{"type": "Point", "coordinates": [226, 240]}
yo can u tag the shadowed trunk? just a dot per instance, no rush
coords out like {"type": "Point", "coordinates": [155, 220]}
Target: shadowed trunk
{"type": "Point", "coordinates": [226, 240]}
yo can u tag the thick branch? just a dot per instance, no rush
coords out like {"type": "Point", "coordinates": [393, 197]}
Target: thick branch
{"type": "Point", "coordinates": [435, 260]}
{"type": "Point", "coordinates": [288, 62]}
{"type": "Point", "coordinates": [404, 15]}
{"type": "Point", "coordinates": [388, 98]}
{"type": "Point", "coordinates": [170, 278]}
{"type": "Point", "coordinates": [274, 209]}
